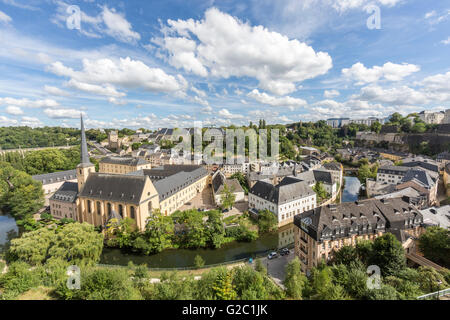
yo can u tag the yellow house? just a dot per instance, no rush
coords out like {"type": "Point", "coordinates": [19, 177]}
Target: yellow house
{"type": "Point", "coordinates": [122, 165]}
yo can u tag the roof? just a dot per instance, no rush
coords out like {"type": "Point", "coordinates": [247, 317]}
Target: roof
{"type": "Point", "coordinates": [334, 166]}
{"type": "Point", "coordinates": [219, 180]}
{"type": "Point", "coordinates": [443, 156]}
{"type": "Point", "coordinates": [68, 192]}
{"type": "Point", "coordinates": [422, 162]}
{"type": "Point", "coordinates": [170, 185]}
{"type": "Point", "coordinates": [437, 216]}
{"type": "Point", "coordinates": [165, 171]}
{"type": "Point", "coordinates": [359, 217]}
{"type": "Point", "coordinates": [313, 176]}
{"type": "Point", "coordinates": [114, 187]}
{"type": "Point", "coordinates": [49, 178]}
{"type": "Point", "coordinates": [419, 175]}
{"type": "Point", "coordinates": [289, 189]}
{"type": "Point", "coordinates": [393, 169]}
{"type": "Point", "coordinates": [127, 161]}
{"type": "Point", "coordinates": [84, 150]}
{"type": "Point", "coordinates": [409, 192]}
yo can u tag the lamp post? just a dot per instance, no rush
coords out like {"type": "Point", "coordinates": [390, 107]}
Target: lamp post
{"type": "Point", "coordinates": [439, 282]}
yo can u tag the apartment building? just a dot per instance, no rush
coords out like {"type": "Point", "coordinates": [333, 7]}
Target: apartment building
{"type": "Point", "coordinates": [288, 198]}
{"type": "Point", "coordinates": [322, 231]}
{"type": "Point", "coordinates": [122, 165]}
{"type": "Point", "coordinates": [51, 182]}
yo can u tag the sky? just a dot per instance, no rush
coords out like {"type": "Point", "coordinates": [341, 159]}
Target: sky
{"type": "Point", "coordinates": [169, 63]}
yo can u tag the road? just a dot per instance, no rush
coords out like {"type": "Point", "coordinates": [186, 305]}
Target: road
{"type": "Point", "coordinates": [276, 267]}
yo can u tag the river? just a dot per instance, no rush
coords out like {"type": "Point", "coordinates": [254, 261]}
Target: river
{"type": "Point", "coordinates": [8, 230]}
{"type": "Point", "coordinates": [351, 190]}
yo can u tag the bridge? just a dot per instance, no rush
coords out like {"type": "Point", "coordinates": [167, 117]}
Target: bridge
{"type": "Point", "coordinates": [423, 261]}
{"type": "Point", "coordinates": [351, 170]}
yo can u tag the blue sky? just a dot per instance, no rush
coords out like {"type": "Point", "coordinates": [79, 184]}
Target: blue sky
{"type": "Point", "coordinates": [169, 63]}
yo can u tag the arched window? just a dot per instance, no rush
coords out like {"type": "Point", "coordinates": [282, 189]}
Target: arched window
{"type": "Point", "coordinates": [121, 210]}
{"type": "Point", "coordinates": [89, 206]}
{"type": "Point", "coordinates": [99, 210]}
{"type": "Point", "coordinates": [109, 208]}
{"type": "Point", "coordinates": [132, 215]}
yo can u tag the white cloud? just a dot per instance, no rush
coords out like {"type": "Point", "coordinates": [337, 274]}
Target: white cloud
{"type": "Point", "coordinates": [104, 90]}
{"type": "Point", "coordinates": [63, 113]}
{"type": "Point", "coordinates": [200, 93]}
{"type": "Point", "coordinates": [5, 121]}
{"type": "Point", "coordinates": [228, 115]}
{"type": "Point", "coordinates": [108, 21]}
{"type": "Point", "coordinates": [56, 91]}
{"type": "Point", "coordinates": [331, 93]}
{"type": "Point", "coordinates": [30, 122]}
{"type": "Point", "coordinates": [4, 18]}
{"type": "Point", "coordinates": [125, 72]}
{"type": "Point", "coordinates": [402, 95]}
{"type": "Point", "coordinates": [287, 101]}
{"type": "Point", "coordinates": [446, 41]}
{"type": "Point", "coordinates": [117, 26]}
{"type": "Point", "coordinates": [119, 102]}
{"type": "Point", "coordinates": [13, 110]}
{"type": "Point", "coordinates": [225, 46]}
{"type": "Point", "coordinates": [389, 71]}
{"type": "Point", "coordinates": [24, 102]}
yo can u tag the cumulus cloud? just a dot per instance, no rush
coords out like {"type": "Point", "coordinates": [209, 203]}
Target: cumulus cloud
{"type": "Point", "coordinates": [30, 122]}
{"type": "Point", "coordinates": [228, 115]}
{"type": "Point", "coordinates": [124, 72]}
{"type": "Point", "coordinates": [13, 110]}
{"type": "Point", "coordinates": [24, 102]}
{"type": "Point", "coordinates": [331, 93]}
{"type": "Point", "coordinates": [5, 121]}
{"type": "Point", "coordinates": [63, 113]}
{"type": "Point", "coordinates": [55, 91]}
{"type": "Point", "coordinates": [223, 46]}
{"type": "Point", "coordinates": [389, 71]}
{"type": "Point", "coordinates": [108, 21]}
{"type": "Point", "coordinates": [4, 18]}
{"type": "Point", "coordinates": [104, 90]}
{"type": "Point", "coordinates": [287, 101]}
{"type": "Point", "coordinates": [446, 41]}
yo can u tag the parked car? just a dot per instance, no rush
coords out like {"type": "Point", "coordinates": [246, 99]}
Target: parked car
{"type": "Point", "coordinates": [225, 210]}
{"type": "Point", "coordinates": [284, 251]}
{"type": "Point", "coordinates": [272, 255]}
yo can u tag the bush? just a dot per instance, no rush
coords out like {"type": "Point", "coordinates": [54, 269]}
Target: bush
{"type": "Point", "coordinates": [199, 262]}
{"type": "Point", "coordinates": [17, 280]}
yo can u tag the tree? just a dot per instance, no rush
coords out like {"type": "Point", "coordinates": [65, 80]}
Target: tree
{"type": "Point", "coordinates": [267, 221]}
{"type": "Point", "coordinates": [365, 171]}
{"type": "Point", "coordinates": [345, 255]}
{"type": "Point", "coordinates": [78, 243]}
{"type": "Point", "coordinates": [199, 262]}
{"type": "Point", "coordinates": [227, 197]}
{"type": "Point", "coordinates": [295, 280]}
{"type": "Point", "coordinates": [157, 235]}
{"type": "Point", "coordinates": [22, 196]}
{"type": "Point", "coordinates": [435, 245]}
{"type": "Point", "coordinates": [376, 127]}
{"type": "Point", "coordinates": [388, 254]}
{"type": "Point", "coordinates": [215, 229]}
{"type": "Point", "coordinates": [320, 191]}
{"type": "Point", "coordinates": [242, 181]}
{"type": "Point", "coordinates": [223, 286]}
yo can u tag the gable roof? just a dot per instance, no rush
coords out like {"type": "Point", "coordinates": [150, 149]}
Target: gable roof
{"type": "Point", "coordinates": [289, 189]}
{"type": "Point", "coordinates": [127, 161]}
{"type": "Point", "coordinates": [114, 187]}
{"type": "Point", "coordinates": [68, 192]}
{"type": "Point", "coordinates": [54, 177]}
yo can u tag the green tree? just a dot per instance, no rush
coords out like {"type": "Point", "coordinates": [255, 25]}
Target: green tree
{"type": "Point", "coordinates": [242, 181]}
{"type": "Point", "coordinates": [224, 288]}
{"type": "Point", "coordinates": [227, 197]}
{"type": "Point", "coordinates": [158, 233]}
{"type": "Point", "coordinates": [320, 191]}
{"type": "Point", "coordinates": [435, 245]}
{"type": "Point", "coordinates": [388, 254]}
{"type": "Point", "coordinates": [295, 280]}
{"type": "Point", "coordinates": [199, 262]}
{"type": "Point", "coordinates": [376, 127]}
{"type": "Point", "coordinates": [267, 221]}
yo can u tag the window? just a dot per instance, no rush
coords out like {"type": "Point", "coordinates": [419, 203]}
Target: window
{"type": "Point", "coordinates": [109, 208]}
{"type": "Point", "coordinates": [121, 210]}
{"type": "Point", "coordinates": [132, 215]}
{"type": "Point", "coordinates": [99, 211]}
{"type": "Point", "coordinates": [89, 206]}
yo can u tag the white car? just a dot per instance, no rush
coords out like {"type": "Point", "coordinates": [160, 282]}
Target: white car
{"type": "Point", "coordinates": [272, 255]}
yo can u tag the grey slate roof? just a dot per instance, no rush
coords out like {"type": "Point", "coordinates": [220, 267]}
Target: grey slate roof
{"type": "Point", "coordinates": [289, 189]}
{"type": "Point", "coordinates": [334, 166]}
{"type": "Point", "coordinates": [397, 170]}
{"type": "Point", "coordinates": [54, 177]}
{"type": "Point", "coordinates": [360, 217]}
{"type": "Point", "coordinates": [114, 187]}
{"type": "Point", "coordinates": [428, 164]}
{"type": "Point", "coordinates": [420, 176]}
{"type": "Point", "coordinates": [128, 161]}
{"type": "Point", "coordinates": [172, 184]}
{"type": "Point", "coordinates": [219, 180]}
{"type": "Point", "coordinates": [437, 216]}
{"type": "Point", "coordinates": [165, 171]}
{"type": "Point", "coordinates": [68, 192]}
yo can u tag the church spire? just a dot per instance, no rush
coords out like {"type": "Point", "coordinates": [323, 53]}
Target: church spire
{"type": "Point", "coordinates": [84, 149]}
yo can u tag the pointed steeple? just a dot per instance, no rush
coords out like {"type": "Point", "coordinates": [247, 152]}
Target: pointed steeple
{"type": "Point", "coordinates": [84, 149]}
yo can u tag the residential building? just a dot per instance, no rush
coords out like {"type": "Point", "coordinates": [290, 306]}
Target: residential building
{"type": "Point", "coordinates": [122, 165]}
{"type": "Point", "coordinates": [322, 231]}
{"type": "Point", "coordinates": [431, 117]}
{"type": "Point", "coordinates": [114, 142]}
{"type": "Point", "coordinates": [443, 158]}
{"type": "Point", "coordinates": [323, 176]}
{"type": "Point", "coordinates": [53, 181]}
{"type": "Point", "coordinates": [63, 203]}
{"type": "Point", "coordinates": [218, 183]}
{"type": "Point", "coordinates": [286, 199]}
